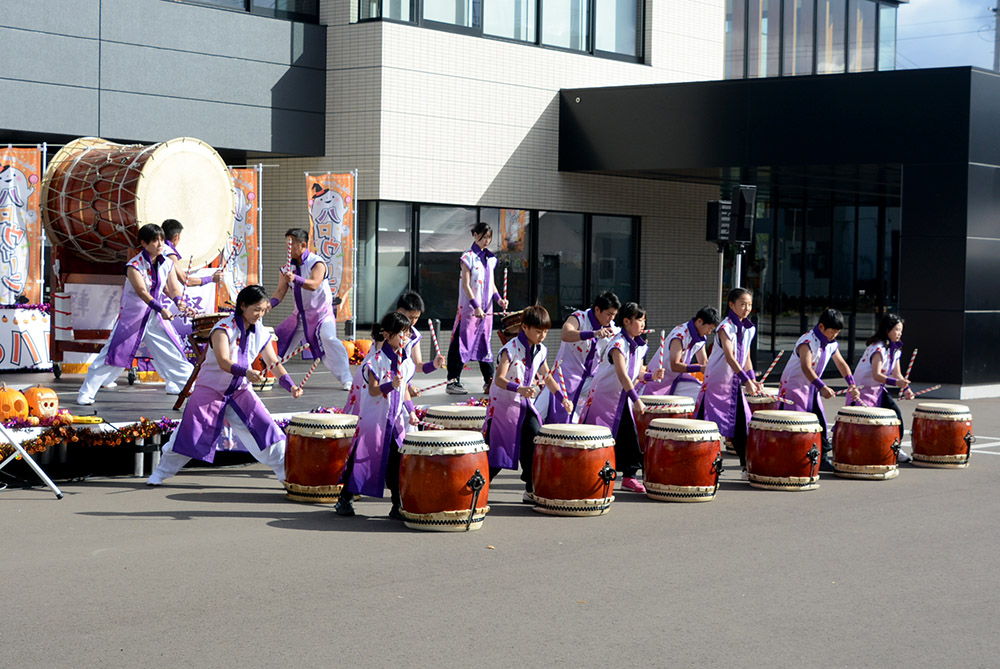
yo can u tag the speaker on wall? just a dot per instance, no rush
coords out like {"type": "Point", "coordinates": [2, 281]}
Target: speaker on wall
{"type": "Point", "coordinates": [744, 207]}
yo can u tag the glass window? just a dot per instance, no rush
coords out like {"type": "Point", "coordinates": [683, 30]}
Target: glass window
{"type": "Point", "coordinates": [560, 259]}
{"type": "Point", "coordinates": [617, 25]}
{"type": "Point", "coordinates": [887, 37]}
{"type": "Point", "coordinates": [861, 36]}
{"type": "Point", "coordinates": [394, 242]}
{"type": "Point", "coordinates": [367, 257]}
{"type": "Point", "coordinates": [444, 233]}
{"type": "Point", "coordinates": [831, 30]}
{"type": "Point", "coordinates": [565, 23]}
{"type": "Point", "coordinates": [231, 4]}
{"type": "Point", "coordinates": [287, 9]}
{"type": "Point", "coordinates": [511, 243]}
{"type": "Point", "coordinates": [763, 38]}
{"type": "Point", "coordinates": [735, 33]}
{"type": "Point", "coordinates": [798, 33]}
{"type": "Point", "coordinates": [789, 255]}
{"type": "Point", "coordinates": [513, 19]}
{"type": "Point", "coordinates": [612, 257]}
{"type": "Point", "coordinates": [891, 258]}
{"type": "Point", "coordinates": [454, 12]}
{"type": "Point", "coordinates": [399, 10]}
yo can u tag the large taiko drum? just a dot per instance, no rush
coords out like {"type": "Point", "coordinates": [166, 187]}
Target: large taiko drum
{"type": "Point", "coordinates": [766, 401]}
{"type": "Point", "coordinates": [783, 450]}
{"type": "Point", "coordinates": [316, 452]}
{"type": "Point", "coordinates": [510, 325]}
{"type": "Point", "coordinates": [683, 460]}
{"type": "Point", "coordinates": [573, 472]}
{"type": "Point", "coordinates": [661, 406]}
{"type": "Point", "coordinates": [97, 194]}
{"type": "Point", "coordinates": [456, 417]}
{"type": "Point", "coordinates": [942, 435]}
{"type": "Point", "coordinates": [444, 480]}
{"type": "Point", "coordinates": [866, 443]}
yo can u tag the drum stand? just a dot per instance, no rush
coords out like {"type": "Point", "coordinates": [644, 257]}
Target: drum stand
{"type": "Point", "coordinates": [19, 450]}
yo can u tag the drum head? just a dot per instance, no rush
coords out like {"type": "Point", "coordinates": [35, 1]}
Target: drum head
{"type": "Point", "coordinates": [680, 401]}
{"type": "Point", "coordinates": [457, 411]}
{"type": "Point", "coordinates": [867, 415]}
{"type": "Point", "coordinates": [323, 425]}
{"type": "Point", "coordinates": [443, 442]}
{"type": "Point", "coordinates": [187, 180]}
{"type": "Point", "coordinates": [683, 429]}
{"type": "Point", "coordinates": [785, 421]}
{"type": "Point", "coordinates": [575, 436]}
{"type": "Point", "coordinates": [942, 408]}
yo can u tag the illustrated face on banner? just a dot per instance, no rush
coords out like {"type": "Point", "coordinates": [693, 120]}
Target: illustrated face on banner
{"type": "Point", "coordinates": [15, 217]}
{"type": "Point", "coordinates": [327, 210]}
{"type": "Point", "coordinates": [328, 207]}
{"type": "Point", "coordinates": [14, 190]}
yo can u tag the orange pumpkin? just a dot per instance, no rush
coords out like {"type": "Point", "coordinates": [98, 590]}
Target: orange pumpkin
{"type": "Point", "coordinates": [349, 345]}
{"type": "Point", "coordinates": [363, 345]}
{"type": "Point", "coordinates": [42, 402]}
{"type": "Point", "coordinates": [13, 405]}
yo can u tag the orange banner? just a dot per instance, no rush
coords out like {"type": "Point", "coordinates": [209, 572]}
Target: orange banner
{"type": "Point", "coordinates": [20, 225]}
{"type": "Point", "coordinates": [242, 253]}
{"type": "Point", "coordinates": [331, 214]}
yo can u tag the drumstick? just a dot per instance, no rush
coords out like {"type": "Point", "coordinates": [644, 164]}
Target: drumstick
{"type": "Point", "coordinates": [433, 386]}
{"type": "Point", "coordinates": [910, 366]}
{"type": "Point", "coordinates": [288, 357]}
{"type": "Point", "coordinates": [288, 258]}
{"type": "Point", "coordinates": [773, 398]}
{"type": "Point", "coordinates": [431, 426]}
{"type": "Point", "coordinates": [663, 340]}
{"type": "Point", "coordinates": [309, 373]}
{"type": "Point", "coordinates": [773, 363]}
{"type": "Point", "coordinates": [926, 390]}
{"type": "Point", "coordinates": [505, 289]}
{"type": "Point", "coordinates": [562, 381]}
{"type": "Point", "coordinates": [434, 337]}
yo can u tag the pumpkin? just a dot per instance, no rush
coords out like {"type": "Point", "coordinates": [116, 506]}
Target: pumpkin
{"type": "Point", "coordinates": [349, 345]}
{"type": "Point", "coordinates": [42, 402]}
{"type": "Point", "coordinates": [12, 404]}
{"type": "Point", "coordinates": [363, 345]}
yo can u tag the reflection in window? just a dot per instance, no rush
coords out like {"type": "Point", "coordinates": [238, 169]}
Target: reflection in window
{"type": "Point", "coordinates": [735, 32]}
{"type": "Point", "coordinates": [611, 257]}
{"type": "Point", "coordinates": [565, 24]}
{"type": "Point", "coordinates": [560, 259]}
{"type": "Point", "coordinates": [445, 233]}
{"type": "Point", "coordinates": [513, 19]}
{"type": "Point", "coordinates": [886, 37]}
{"type": "Point", "coordinates": [511, 242]}
{"type": "Point", "coordinates": [287, 9]}
{"type": "Point", "coordinates": [763, 38]}
{"type": "Point", "coordinates": [830, 33]}
{"type": "Point", "coordinates": [393, 255]}
{"type": "Point", "coordinates": [861, 36]}
{"type": "Point", "coordinates": [617, 26]}
{"type": "Point", "coordinates": [454, 12]}
{"type": "Point", "coordinates": [798, 31]}
{"type": "Point", "coordinates": [365, 244]}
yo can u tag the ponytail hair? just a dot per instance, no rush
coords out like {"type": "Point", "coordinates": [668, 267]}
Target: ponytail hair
{"type": "Point", "coordinates": [630, 310]}
{"type": "Point", "coordinates": [886, 323]}
{"type": "Point", "coordinates": [392, 324]}
{"type": "Point", "coordinates": [481, 228]}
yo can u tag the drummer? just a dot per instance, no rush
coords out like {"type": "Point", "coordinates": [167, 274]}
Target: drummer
{"type": "Point", "coordinates": [802, 381]}
{"type": "Point", "coordinates": [471, 335]}
{"type": "Point", "coordinates": [613, 399]}
{"type": "Point", "coordinates": [383, 418]}
{"type": "Point", "coordinates": [223, 392]}
{"type": "Point", "coordinates": [728, 372]}
{"type": "Point", "coordinates": [585, 336]}
{"type": "Point", "coordinates": [172, 229]}
{"type": "Point", "coordinates": [142, 319]}
{"type": "Point", "coordinates": [411, 305]}
{"type": "Point", "coordinates": [685, 344]}
{"type": "Point", "coordinates": [879, 367]}
{"type": "Point", "coordinates": [313, 318]}
{"type": "Point", "coordinates": [512, 421]}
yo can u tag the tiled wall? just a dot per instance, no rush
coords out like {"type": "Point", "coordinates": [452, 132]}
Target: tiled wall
{"type": "Point", "coordinates": [432, 116]}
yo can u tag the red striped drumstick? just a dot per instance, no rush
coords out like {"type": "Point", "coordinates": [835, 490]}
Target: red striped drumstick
{"type": "Point", "coordinates": [434, 337]}
{"type": "Point", "coordinates": [309, 373]}
{"type": "Point", "coordinates": [773, 363]}
{"type": "Point", "coordinates": [909, 367]}
{"type": "Point", "coordinates": [663, 340]}
{"type": "Point", "coordinates": [288, 357]}
{"type": "Point", "coordinates": [431, 426]}
{"type": "Point", "coordinates": [435, 385]}
{"type": "Point", "coordinates": [926, 390]}
{"type": "Point", "coordinates": [562, 381]}
{"type": "Point", "coordinates": [288, 258]}
{"type": "Point", "coordinates": [505, 289]}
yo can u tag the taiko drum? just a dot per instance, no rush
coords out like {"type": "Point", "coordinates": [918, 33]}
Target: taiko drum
{"type": "Point", "coordinates": [766, 401]}
{"type": "Point", "coordinates": [866, 443]}
{"type": "Point", "coordinates": [457, 417]}
{"type": "Point", "coordinates": [316, 452]}
{"type": "Point", "coordinates": [573, 472]}
{"type": "Point", "coordinates": [444, 480]}
{"type": "Point", "coordinates": [661, 406]}
{"type": "Point", "coordinates": [942, 435]}
{"type": "Point", "coordinates": [683, 460]}
{"type": "Point", "coordinates": [783, 450]}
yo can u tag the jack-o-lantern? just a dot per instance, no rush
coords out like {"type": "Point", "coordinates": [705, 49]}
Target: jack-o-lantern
{"type": "Point", "coordinates": [363, 345]}
{"type": "Point", "coordinates": [42, 402]}
{"type": "Point", "coordinates": [349, 345]}
{"type": "Point", "coordinates": [13, 405]}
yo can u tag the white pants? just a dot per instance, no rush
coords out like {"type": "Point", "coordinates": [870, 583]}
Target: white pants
{"type": "Point", "coordinates": [334, 353]}
{"type": "Point", "coordinates": [273, 456]}
{"type": "Point", "coordinates": [170, 363]}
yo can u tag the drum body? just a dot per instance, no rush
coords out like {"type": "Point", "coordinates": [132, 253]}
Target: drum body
{"type": "Point", "coordinates": [661, 406]}
{"type": "Point", "coordinates": [510, 325]}
{"type": "Point", "coordinates": [444, 480]}
{"type": "Point", "coordinates": [97, 194]}
{"type": "Point", "coordinates": [942, 435]}
{"type": "Point", "coordinates": [783, 450]}
{"type": "Point", "coordinates": [316, 452]}
{"type": "Point", "coordinates": [457, 417]}
{"type": "Point", "coordinates": [866, 443]}
{"type": "Point", "coordinates": [683, 460]}
{"type": "Point", "coordinates": [573, 471]}
{"type": "Point", "coordinates": [766, 401]}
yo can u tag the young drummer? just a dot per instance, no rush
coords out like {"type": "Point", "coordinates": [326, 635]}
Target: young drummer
{"type": "Point", "coordinates": [879, 367]}
{"type": "Point", "coordinates": [512, 421]}
{"type": "Point", "coordinates": [411, 305]}
{"type": "Point", "coordinates": [313, 318]}
{"type": "Point", "coordinates": [728, 371]}
{"type": "Point", "coordinates": [613, 400]}
{"type": "Point", "coordinates": [143, 318]}
{"type": "Point", "coordinates": [383, 419]}
{"type": "Point", "coordinates": [685, 344]}
{"type": "Point", "coordinates": [802, 380]}
{"type": "Point", "coordinates": [223, 392]}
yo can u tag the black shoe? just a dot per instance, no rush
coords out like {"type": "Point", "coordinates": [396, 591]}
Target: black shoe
{"type": "Point", "coordinates": [395, 514]}
{"type": "Point", "coordinates": [344, 507]}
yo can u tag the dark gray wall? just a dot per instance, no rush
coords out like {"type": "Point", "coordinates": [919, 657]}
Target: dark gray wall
{"type": "Point", "coordinates": [149, 70]}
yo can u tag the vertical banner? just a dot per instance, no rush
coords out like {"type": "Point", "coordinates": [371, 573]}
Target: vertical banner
{"type": "Point", "coordinates": [242, 252]}
{"type": "Point", "coordinates": [512, 226]}
{"type": "Point", "coordinates": [331, 213]}
{"type": "Point", "coordinates": [20, 225]}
